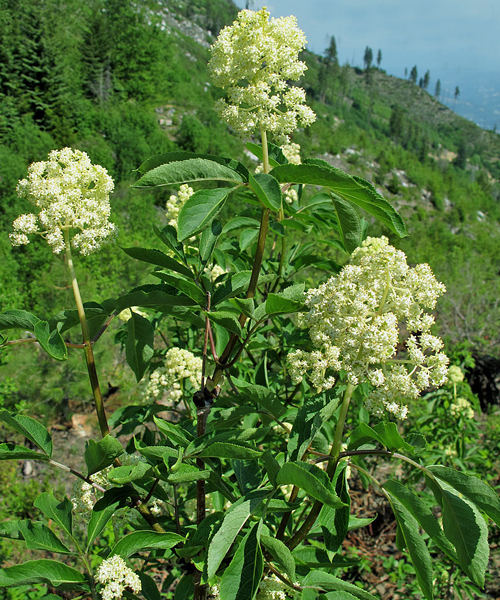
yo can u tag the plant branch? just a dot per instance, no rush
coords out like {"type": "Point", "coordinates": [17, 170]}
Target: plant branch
{"type": "Point", "coordinates": [308, 524]}
{"type": "Point", "coordinates": [89, 354]}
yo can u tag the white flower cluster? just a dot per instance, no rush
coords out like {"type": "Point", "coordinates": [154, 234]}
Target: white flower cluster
{"type": "Point", "coordinates": [84, 494]}
{"type": "Point", "coordinates": [179, 365]}
{"type": "Point", "coordinates": [455, 374]}
{"type": "Point", "coordinates": [461, 408]}
{"type": "Point", "coordinates": [292, 153]}
{"type": "Point", "coordinates": [272, 588]}
{"type": "Point", "coordinates": [254, 58]}
{"type": "Point", "coordinates": [114, 574]}
{"type": "Point", "coordinates": [353, 322]}
{"type": "Point", "coordinates": [70, 193]}
{"type": "Point", "coordinates": [176, 202]}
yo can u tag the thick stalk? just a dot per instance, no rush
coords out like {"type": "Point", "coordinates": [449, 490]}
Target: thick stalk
{"type": "Point", "coordinates": [308, 524]}
{"type": "Point", "coordinates": [89, 354]}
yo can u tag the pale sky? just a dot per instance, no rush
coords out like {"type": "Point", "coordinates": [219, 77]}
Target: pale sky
{"type": "Point", "coordinates": [457, 40]}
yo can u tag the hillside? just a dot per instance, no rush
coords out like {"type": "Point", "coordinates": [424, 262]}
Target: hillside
{"type": "Point", "coordinates": [124, 83]}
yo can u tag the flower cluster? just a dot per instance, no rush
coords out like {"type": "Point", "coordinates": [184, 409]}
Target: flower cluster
{"type": "Point", "coordinates": [114, 574]}
{"type": "Point", "coordinates": [254, 58]}
{"type": "Point", "coordinates": [353, 322]}
{"type": "Point", "coordinates": [461, 408]}
{"type": "Point", "coordinates": [179, 365]}
{"type": "Point", "coordinates": [70, 193]}
{"type": "Point", "coordinates": [176, 202]}
{"type": "Point", "coordinates": [84, 494]}
{"type": "Point", "coordinates": [455, 374]}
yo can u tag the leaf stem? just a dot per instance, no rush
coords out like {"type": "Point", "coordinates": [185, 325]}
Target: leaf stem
{"type": "Point", "coordinates": [308, 524]}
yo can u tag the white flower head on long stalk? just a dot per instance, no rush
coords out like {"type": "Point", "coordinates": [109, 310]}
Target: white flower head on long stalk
{"type": "Point", "coordinates": [71, 194]}
{"type": "Point", "coordinates": [354, 324]}
{"type": "Point", "coordinates": [254, 59]}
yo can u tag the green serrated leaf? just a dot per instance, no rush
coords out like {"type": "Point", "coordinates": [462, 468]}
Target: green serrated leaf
{"type": "Point", "coordinates": [9, 451]}
{"type": "Point", "coordinates": [325, 581]}
{"type": "Point", "coordinates": [281, 555]}
{"type": "Point", "coordinates": [152, 296]}
{"type": "Point", "coordinates": [276, 156]}
{"type": "Point", "coordinates": [386, 433]}
{"type": "Point", "coordinates": [416, 547]}
{"type": "Point", "coordinates": [312, 415]}
{"type": "Point", "coordinates": [38, 536]}
{"type": "Point", "coordinates": [18, 319]}
{"type": "Point", "coordinates": [168, 235]}
{"type": "Point", "coordinates": [30, 428]}
{"type": "Point", "coordinates": [245, 305]}
{"type": "Point", "coordinates": [145, 540]}
{"type": "Point", "coordinates": [239, 222]}
{"type": "Point", "coordinates": [247, 238]}
{"type": "Point", "coordinates": [234, 519]}
{"type": "Point", "coordinates": [45, 571]}
{"type": "Point", "coordinates": [185, 171]}
{"type": "Point", "coordinates": [241, 579]}
{"type": "Point", "coordinates": [422, 514]}
{"type": "Point", "coordinates": [139, 344]}
{"type": "Point", "coordinates": [208, 241]}
{"type": "Point", "coordinates": [200, 210]}
{"type": "Point", "coordinates": [349, 224]}
{"type": "Point", "coordinates": [335, 522]}
{"type": "Point", "coordinates": [182, 155]}
{"type": "Point", "coordinates": [312, 480]}
{"type": "Point", "coordinates": [129, 473]}
{"type": "Point", "coordinates": [184, 590]}
{"type": "Point", "coordinates": [187, 474]}
{"type": "Point", "coordinates": [480, 493]}
{"type": "Point", "coordinates": [279, 305]}
{"type": "Point", "coordinates": [267, 190]}
{"type": "Point", "coordinates": [227, 320]}
{"type": "Point", "coordinates": [346, 188]}
{"type": "Point", "coordinates": [11, 530]}
{"type": "Point", "coordinates": [173, 431]}
{"type": "Point", "coordinates": [186, 287]}
{"type": "Point", "coordinates": [234, 450]}
{"type": "Point", "coordinates": [158, 258]}
{"type": "Point", "coordinates": [103, 510]}
{"type": "Point", "coordinates": [60, 512]}
{"type": "Point", "coordinates": [466, 529]}
{"type": "Point", "coordinates": [51, 341]}
{"type": "Point", "coordinates": [233, 286]}
{"type": "Point", "coordinates": [148, 587]}
{"type": "Point", "coordinates": [99, 455]}
{"type": "Point", "coordinates": [262, 396]}
{"type": "Point", "coordinates": [272, 466]}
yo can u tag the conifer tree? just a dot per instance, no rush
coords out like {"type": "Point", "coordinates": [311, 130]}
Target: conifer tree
{"type": "Point", "coordinates": [379, 57]}
{"type": "Point", "coordinates": [427, 78]}
{"type": "Point", "coordinates": [368, 58]}
{"type": "Point", "coordinates": [414, 74]}
{"type": "Point", "coordinates": [437, 91]}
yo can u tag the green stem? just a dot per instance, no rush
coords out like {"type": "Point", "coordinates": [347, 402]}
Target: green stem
{"type": "Point", "coordinates": [89, 354]}
{"type": "Point", "coordinates": [257, 264]}
{"type": "Point", "coordinates": [308, 524]}
{"type": "Point", "coordinates": [265, 151]}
